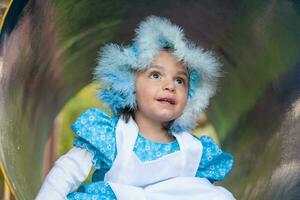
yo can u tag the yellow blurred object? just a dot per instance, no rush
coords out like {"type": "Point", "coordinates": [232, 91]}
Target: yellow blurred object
{"type": "Point", "coordinates": [5, 5]}
{"type": "Point", "coordinates": [203, 127]}
{"type": "Point", "coordinates": [8, 191]}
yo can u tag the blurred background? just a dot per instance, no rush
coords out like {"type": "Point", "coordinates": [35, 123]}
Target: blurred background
{"type": "Point", "coordinates": [48, 50]}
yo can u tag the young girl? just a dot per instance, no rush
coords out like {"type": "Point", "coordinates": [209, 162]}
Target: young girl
{"type": "Point", "coordinates": [156, 88]}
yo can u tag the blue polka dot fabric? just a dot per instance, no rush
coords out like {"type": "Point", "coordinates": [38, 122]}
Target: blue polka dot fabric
{"type": "Point", "coordinates": [95, 131]}
{"type": "Point", "coordinates": [215, 164]}
{"type": "Point", "coordinates": [147, 150]}
{"type": "Point", "coordinates": [96, 191]}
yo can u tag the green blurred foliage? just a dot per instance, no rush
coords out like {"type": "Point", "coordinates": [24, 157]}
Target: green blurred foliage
{"type": "Point", "coordinates": [261, 49]}
{"type": "Point", "coordinates": [86, 98]}
{"type": "Point", "coordinates": [84, 26]}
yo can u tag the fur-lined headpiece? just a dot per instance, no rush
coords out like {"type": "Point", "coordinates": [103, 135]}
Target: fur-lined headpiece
{"type": "Point", "coordinates": [117, 66]}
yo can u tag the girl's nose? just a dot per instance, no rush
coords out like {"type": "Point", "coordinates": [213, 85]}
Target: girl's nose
{"type": "Point", "coordinates": [169, 85]}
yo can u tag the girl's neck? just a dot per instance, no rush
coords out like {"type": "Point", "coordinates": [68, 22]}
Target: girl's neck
{"type": "Point", "coordinates": [152, 130]}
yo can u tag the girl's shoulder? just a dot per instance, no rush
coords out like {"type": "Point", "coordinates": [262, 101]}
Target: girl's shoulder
{"type": "Point", "coordinates": [215, 164]}
{"type": "Point", "coordinates": [93, 115]}
{"type": "Point", "coordinates": [93, 119]}
{"type": "Point", "coordinates": [95, 131]}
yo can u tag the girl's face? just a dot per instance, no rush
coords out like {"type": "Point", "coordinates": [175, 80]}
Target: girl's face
{"type": "Point", "coordinates": [161, 90]}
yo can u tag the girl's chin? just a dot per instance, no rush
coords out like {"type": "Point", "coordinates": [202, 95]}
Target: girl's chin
{"type": "Point", "coordinates": [166, 119]}
{"type": "Point", "coordinates": [161, 116]}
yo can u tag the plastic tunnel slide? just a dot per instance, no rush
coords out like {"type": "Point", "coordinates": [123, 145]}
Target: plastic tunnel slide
{"type": "Point", "coordinates": [48, 53]}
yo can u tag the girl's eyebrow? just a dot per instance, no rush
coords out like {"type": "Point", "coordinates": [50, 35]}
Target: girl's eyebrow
{"type": "Point", "coordinates": [181, 72]}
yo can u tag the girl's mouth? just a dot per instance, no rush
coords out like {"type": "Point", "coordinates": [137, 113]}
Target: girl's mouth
{"type": "Point", "coordinates": [167, 100]}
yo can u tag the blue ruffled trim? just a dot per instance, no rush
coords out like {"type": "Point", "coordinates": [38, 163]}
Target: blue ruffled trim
{"type": "Point", "coordinates": [81, 143]}
{"type": "Point", "coordinates": [95, 131]}
{"type": "Point", "coordinates": [215, 164]}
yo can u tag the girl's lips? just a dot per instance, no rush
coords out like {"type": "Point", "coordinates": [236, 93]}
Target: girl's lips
{"type": "Point", "coordinates": [165, 105]}
{"type": "Point", "coordinates": [167, 100]}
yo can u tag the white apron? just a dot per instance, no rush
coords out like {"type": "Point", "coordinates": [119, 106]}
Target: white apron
{"type": "Point", "coordinates": [170, 177]}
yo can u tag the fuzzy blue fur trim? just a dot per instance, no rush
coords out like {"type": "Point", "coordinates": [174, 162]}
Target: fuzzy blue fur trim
{"type": "Point", "coordinates": [117, 65]}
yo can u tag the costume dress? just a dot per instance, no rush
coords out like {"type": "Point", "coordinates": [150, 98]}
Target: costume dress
{"type": "Point", "coordinates": [129, 166]}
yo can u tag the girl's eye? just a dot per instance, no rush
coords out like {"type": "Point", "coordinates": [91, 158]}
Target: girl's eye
{"type": "Point", "coordinates": [155, 75]}
{"type": "Point", "coordinates": [180, 81]}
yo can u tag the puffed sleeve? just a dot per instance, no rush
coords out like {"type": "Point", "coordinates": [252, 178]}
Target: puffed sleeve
{"type": "Point", "coordinates": [95, 131]}
{"type": "Point", "coordinates": [215, 164]}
